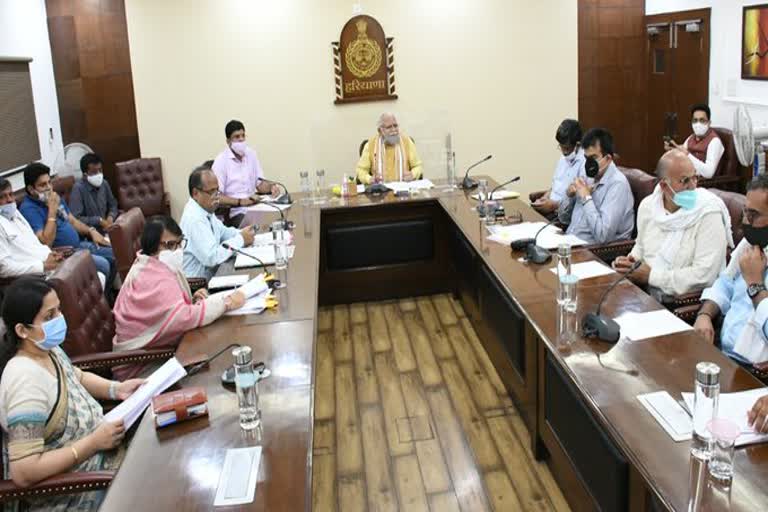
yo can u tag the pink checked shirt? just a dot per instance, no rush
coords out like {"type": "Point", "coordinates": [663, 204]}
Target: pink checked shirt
{"type": "Point", "coordinates": [238, 179]}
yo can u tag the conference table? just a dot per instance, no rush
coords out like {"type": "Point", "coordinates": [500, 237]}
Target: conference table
{"type": "Point", "coordinates": [578, 401]}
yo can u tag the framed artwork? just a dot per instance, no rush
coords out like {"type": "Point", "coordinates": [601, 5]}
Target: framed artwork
{"type": "Point", "coordinates": [754, 42]}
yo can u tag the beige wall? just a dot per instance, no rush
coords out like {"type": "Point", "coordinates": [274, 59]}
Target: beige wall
{"type": "Point", "coordinates": [498, 74]}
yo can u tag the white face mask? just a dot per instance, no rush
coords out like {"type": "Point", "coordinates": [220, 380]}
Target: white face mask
{"type": "Point", "coordinates": [174, 259]}
{"type": "Point", "coordinates": [700, 129]}
{"type": "Point", "coordinates": [96, 180]}
{"type": "Point", "coordinates": [571, 157]}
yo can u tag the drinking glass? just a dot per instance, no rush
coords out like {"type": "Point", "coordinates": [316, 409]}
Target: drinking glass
{"type": "Point", "coordinates": [724, 434]}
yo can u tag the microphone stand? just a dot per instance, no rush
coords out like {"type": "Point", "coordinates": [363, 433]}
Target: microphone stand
{"type": "Point", "coordinates": [533, 252]}
{"type": "Point", "coordinates": [286, 197]}
{"type": "Point", "coordinates": [247, 255]}
{"type": "Point", "coordinates": [287, 224]}
{"type": "Point", "coordinates": [602, 327]}
{"type": "Point", "coordinates": [468, 183]}
{"type": "Point", "coordinates": [492, 208]}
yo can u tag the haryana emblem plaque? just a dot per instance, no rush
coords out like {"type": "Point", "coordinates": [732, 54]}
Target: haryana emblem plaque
{"type": "Point", "coordinates": [363, 61]}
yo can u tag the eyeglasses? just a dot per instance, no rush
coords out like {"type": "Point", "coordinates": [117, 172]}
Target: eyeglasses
{"type": "Point", "coordinates": [172, 245]}
{"type": "Point", "coordinates": [751, 215]}
{"type": "Point", "coordinates": [566, 149]}
{"type": "Point", "coordinates": [213, 193]}
{"type": "Point", "coordinates": [685, 181]}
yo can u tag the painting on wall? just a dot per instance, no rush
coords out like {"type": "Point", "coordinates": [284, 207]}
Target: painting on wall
{"type": "Point", "coordinates": [754, 43]}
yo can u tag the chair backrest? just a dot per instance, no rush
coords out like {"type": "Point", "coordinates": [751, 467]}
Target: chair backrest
{"type": "Point", "coordinates": [729, 163]}
{"type": "Point", "coordinates": [642, 185]}
{"type": "Point", "coordinates": [140, 184]}
{"type": "Point", "coordinates": [125, 235]}
{"type": "Point", "coordinates": [90, 323]}
{"type": "Point", "coordinates": [735, 203]}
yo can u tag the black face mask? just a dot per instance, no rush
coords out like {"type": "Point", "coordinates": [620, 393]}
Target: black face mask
{"type": "Point", "coordinates": [756, 236]}
{"type": "Point", "coordinates": [591, 167]}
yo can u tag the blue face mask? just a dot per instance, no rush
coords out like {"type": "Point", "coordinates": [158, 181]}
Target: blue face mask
{"type": "Point", "coordinates": [8, 210]}
{"type": "Point", "coordinates": [55, 331]}
{"type": "Point", "coordinates": [685, 199]}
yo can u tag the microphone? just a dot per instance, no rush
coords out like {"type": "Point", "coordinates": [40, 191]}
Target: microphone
{"type": "Point", "coordinates": [602, 327]}
{"type": "Point", "coordinates": [468, 183]}
{"type": "Point", "coordinates": [287, 224]}
{"type": "Point", "coordinates": [247, 255]}
{"type": "Point", "coordinates": [533, 252]}
{"type": "Point", "coordinates": [493, 208]}
{"type": "Point", "coordinates": [286, 197]}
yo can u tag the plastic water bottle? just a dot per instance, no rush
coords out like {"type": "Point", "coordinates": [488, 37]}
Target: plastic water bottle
{"type": "Point", "coordinates": [705, 401]}
{"type": "Point", "coordinates": [566, 286]}
{"type": "Point", "coordinates": [320, 186]}
{"type": "Point", "coordinates": [306, 189]}
{"type": "Point", "coordinates": [482, 196]}
{"type": "Point", "coordinates": [247, 389]}
{"type": "Point", "coordinates": [279, 239]}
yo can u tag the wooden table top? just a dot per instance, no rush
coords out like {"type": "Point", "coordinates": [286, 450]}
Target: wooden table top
{"type": "Point", "coordinates": [180, 467]}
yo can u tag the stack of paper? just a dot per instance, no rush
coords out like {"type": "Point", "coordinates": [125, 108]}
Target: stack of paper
{"type": "Point", "coordinates": [499, 195]}
{"type": "Point", "coordinates": [253, 306]}
{"type": "Point", "coordinates": [237, 483]}
{"type": "Point", "coordinates": [131, 408]}
{"type": "Point", "coordinates": [640, 326]}
{"type": "Point", "coordinates": [550, 238]}
{"type": "Point", "coordinates": [227, 282]}
{"type": "Point", "coordinates": [673, 418]}
{"type": "Point", "coordinates": [586, 270]}
{"type": "Point", "coordinates": [268, 207]}
{"type": "Point", "coordinates": [405, 186]}
{"type": "Point", "coordinates": [735, 406]}
{"type": "Point", "coordinates": [265, 253]}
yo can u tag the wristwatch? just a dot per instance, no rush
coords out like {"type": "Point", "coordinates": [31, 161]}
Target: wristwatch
{"type": "Point", "coordinates": [754, 289]}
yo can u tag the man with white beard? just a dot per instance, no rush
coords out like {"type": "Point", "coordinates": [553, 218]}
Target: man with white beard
{"type": "Point", "coordinates": [390, 155]}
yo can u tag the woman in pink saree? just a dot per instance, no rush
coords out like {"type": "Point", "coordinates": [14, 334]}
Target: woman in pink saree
{"type": "Point", "coordinates": [155, 306]}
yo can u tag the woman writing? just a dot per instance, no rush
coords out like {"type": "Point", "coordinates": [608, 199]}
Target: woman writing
{"type": "Point", "coordinates": [155, 306]}
{"type": "Point", "coordinates": [51, 421]}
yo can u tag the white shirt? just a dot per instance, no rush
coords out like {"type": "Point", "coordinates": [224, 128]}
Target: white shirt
{"type": "Point", "coordinates": [20, 250]}
{"type": "Point", "coordinates": [565, 173]}
{"type": "Point", "coordinates": [715, 152]}
{"type": "Point", "coordinates": [698, 259]}
{"type": "Point", "coordinates": [205, 234]}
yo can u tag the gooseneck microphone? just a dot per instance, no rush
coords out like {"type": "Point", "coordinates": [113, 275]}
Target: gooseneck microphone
{"type": "Point", "coordinates": [602, 327]}
{"type": "Point", "coordinates": [468, 183]}
{"type": "Point", "coordinates": [247, 255]}
{"type": "Point", "coordinates": [286, 197]}
{"type": "Point", "coordinates": [533, 252]}
{"type": "Point", "coordinates": [492, 208]}
{"type": "Point", "coordinates": [287, 224]}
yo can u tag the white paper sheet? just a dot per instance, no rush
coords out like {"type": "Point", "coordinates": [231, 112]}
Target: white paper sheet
{"type": "Point", "coordinates": [361, 189]}
{"type": "Point", "coordinates": [271, 207]}
{"type": "Point", "coordinates": [265, 253]}
{"type": "Point", "coordinates": [237, 483]}
{"type": "Point", "coordinates": [670, 415]}
{"type": "Point", "coordinates": [549, 239]}
{"type": "Point", "coordinates": [735, 406]}
{"type": "Point", "coordinates": [586, 270]}
{"type": "Point", "coordinates": [405, 186]}
{"type": "Point", "coordinates": [500, 195]}
{"type": "Point", "coordinates": [232, 281]}
{"type": "Point", "coordinates": [253, 306]}
{"type": "Point", "coordinates": [640, 326]}
{"type": "Point", "coordinates": [130, 409]}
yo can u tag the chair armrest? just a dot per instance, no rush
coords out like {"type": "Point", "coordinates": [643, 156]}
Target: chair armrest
{"type": "Point", "coordinates": [611, 251]}
{"type": "Point", "coordinates": [112, 359]}
{"type": "Point", "coordinates": [689, 299]}
{"type": "Point", "coordinates": [65, 483]}
{"type": "Point", "coordinates": [533, 196]}
{"type": "Point", "coordinates": [688, 313]}
{"type": "Point", "coordinates": [195, 283]}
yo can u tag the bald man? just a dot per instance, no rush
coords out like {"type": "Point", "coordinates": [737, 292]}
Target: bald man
{"type": "Point", "coordinates": [390, 155]}
{"type": "Point", "coordinates": [682, 233]}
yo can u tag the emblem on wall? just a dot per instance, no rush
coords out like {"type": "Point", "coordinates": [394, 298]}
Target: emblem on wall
{"type": "Point", "coordinates": [363, 62]}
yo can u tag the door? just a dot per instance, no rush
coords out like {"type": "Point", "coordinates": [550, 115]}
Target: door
{"type": "Point", "coordinates": [678, 75]}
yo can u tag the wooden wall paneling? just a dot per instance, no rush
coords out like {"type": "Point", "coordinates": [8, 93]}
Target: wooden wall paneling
{"type": "Point", "coordinates": [92, 68]}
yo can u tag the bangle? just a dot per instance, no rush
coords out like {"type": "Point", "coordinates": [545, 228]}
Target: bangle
{"type": "Point", "coordinates": [705, 313]}
{"type": "Point", "coordinates": [113, 390]}
{"type": "Point", "coordinates": [74, 452]}
{"type": "Point", "coordinates": [51, 219]}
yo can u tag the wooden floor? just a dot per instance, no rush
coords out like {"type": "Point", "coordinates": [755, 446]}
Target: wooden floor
{"type": "Point", "coordinates": [411, 415]}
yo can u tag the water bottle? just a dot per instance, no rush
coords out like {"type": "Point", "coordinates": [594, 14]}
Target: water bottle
{"type": "Point", "coordinates": [320, 186]}
{"type": "Point", "coordinates": [482, 196]}
{"type": "Point", "coordinates": [247, 389]}
{"type": "Point", "coordinates": [450, 170]}
{"type": "Point", "coordinates": [306, 189]}
{"type": "Point", "coordinates": [279, 239]}
{"type": "Point", "coordinates": [566, 285]}
{"type": "Point", "coordinates": [705, 400]}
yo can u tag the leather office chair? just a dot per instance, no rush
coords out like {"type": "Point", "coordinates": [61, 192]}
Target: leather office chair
{"type": "Point", "coordinates": [90, 323]}
{"type": "Point", "coordinates": [140, 184]}
{"type": "Point", "coordinates": [125, 235]}
{"type": "Point", "coordinates": [729, 174]}
{"type": "Point", "coordinates": [642, 185]}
